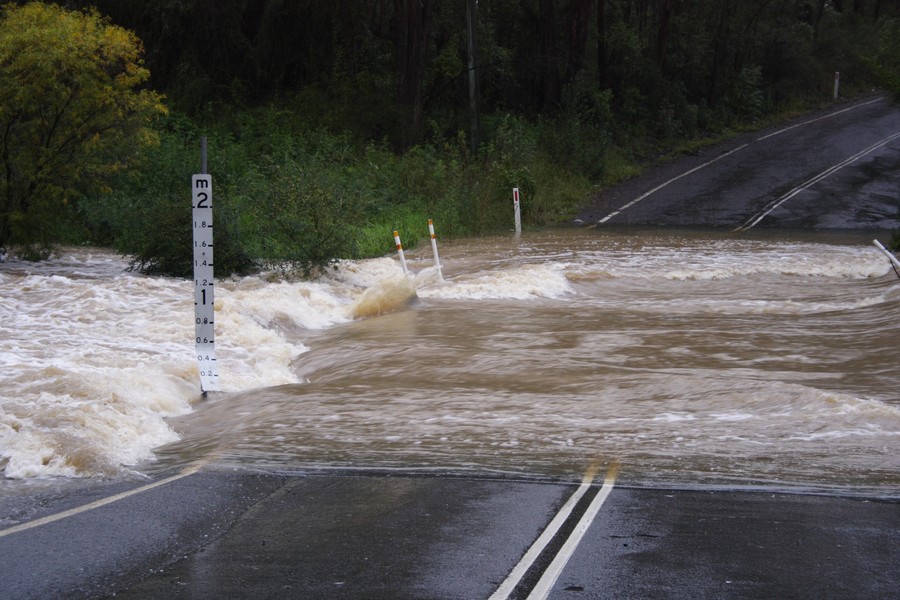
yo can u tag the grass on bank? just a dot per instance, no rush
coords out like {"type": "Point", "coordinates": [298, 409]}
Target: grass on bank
{"type": "Point", "coordinates": [299, 197]}
{"type": "Point", "coordinates": [291, 195]}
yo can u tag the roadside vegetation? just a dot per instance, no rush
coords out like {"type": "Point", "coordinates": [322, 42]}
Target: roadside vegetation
{"type": "Point", "coordinates": [72, 115]}
{"type": "Point", "coordinates": [332, 123]}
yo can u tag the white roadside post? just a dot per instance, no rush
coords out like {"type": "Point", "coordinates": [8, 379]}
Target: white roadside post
{"type": "Point", "coordinates": [517, 210]}
{"type": "Point", "coordinates": [204, 296]}
{"type": "Point", "coordinates": [837, 83]}
{"type": "Point", "coordinates": [437, 260]}
{"type": "Point", "coordinates": [400, 252]}
{"type": "Point", "coordinates": [894, 262]}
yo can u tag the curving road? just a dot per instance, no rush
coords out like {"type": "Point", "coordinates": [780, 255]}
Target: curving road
{"type": "Point", "coordinates": [203, 533]}
{"type": "Point", "coordinates": [837, 169]}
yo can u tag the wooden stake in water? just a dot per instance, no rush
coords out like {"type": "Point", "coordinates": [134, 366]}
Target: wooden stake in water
{"type": "Point", "coordinates": [437, 259]}
{"type": "Point", "coordinates": [400, 251]}
{"type": "Point", "coordinates": [204, 297]}
{"type": "Point", "coordinates": [517, 210]}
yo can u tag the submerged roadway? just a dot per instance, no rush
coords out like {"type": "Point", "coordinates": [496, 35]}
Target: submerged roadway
{"type": "Point", "coordinates": [208, 532]}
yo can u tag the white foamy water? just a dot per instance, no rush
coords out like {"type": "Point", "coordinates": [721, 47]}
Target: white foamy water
{"type": "Point", "coordinates": [95, 359]}
{"type": "Point", "coordinates": [691, 358]}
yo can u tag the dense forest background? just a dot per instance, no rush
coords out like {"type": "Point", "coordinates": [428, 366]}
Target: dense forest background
{"type": "Point", "coordinates": [333, 122]}
{"type": "Point", "coordinates": [399, 68]}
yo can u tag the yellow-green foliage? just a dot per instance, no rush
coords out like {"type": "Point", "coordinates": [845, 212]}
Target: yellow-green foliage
{"type": "Point", "coordinates": [71, 113]}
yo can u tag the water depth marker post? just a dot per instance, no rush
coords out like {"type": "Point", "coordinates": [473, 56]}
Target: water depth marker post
{"type": "Point", "coordinates": [204, 296]}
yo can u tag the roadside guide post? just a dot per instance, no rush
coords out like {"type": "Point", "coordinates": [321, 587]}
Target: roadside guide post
{"type": "Point", "coordinates": [517, 210]}
{"type": "Point", "coordinates": [400, 252]}
{"type": "Point", "coordinates": [437, 260]}
{"type": "Point", "coordinates": [894, 262]}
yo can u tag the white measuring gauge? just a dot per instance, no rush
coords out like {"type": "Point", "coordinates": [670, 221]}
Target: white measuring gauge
{"type": "Point", "coordinates": [204, 296]}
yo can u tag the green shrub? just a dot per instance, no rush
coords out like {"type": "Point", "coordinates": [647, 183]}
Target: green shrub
{"type": "Point", "coordinates": [886, 60]}
{"type": "Point", "coordinates": [304, 216]}
{"type": "Point", "coordinates": [296, 198]}
{"type": "Point", "coordinates": [146, 215]}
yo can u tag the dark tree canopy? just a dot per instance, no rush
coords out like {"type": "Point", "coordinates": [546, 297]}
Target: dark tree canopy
{"type": "Point", "coordinates": [389, 67]}
{"type": "Point", "coordinates": [334, 121]}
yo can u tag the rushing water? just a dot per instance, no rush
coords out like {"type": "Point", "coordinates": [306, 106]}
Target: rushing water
{"type": "Point", "coordinates": [684, 357]}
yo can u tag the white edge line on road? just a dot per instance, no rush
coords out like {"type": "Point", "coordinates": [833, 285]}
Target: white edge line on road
{"type": "Point", "coordinates": [515, 576]}
{"type": "Point", "coordinates": [98, 503]}
{"type": "Point", "coordinates": [548, 579]}
{"type": "Point", "coordinates": [779, 201]}
{"type": "Point", "coordinates": [828, 116]}
{"type": "Point", "coordinates": [664, 184]}
{"type": "Point", "coordinates": [706, 164]}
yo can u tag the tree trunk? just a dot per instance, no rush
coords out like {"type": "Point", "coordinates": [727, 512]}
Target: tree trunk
{"type": "Point", "coordinates": [662, 34]}
{"type": "Point", "coordinates": [413, 18]}
{"type": "Point", "coordinates": [602, 50]}
{"type": "Point", "coordinates": [472, 27]}
{"type": "Point", "coordinates": [550, 76]}
{"type": "Point", "coordinates": [578, 35]}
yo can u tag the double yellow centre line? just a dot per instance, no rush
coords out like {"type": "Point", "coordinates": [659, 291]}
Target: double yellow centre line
{"type": "Point", "coordinates": [542, 589]}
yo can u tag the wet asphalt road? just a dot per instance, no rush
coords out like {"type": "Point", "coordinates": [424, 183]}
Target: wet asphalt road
{"type": "Point", "coordinates": [222, 534]}
{"type": "Point", "coordinates": [834, 169]}
{"type": "Point", "coordinates": [241, 535]}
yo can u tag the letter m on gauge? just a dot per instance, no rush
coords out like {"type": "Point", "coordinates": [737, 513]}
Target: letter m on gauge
{"type": "Point", "coordinates": [204, 294]}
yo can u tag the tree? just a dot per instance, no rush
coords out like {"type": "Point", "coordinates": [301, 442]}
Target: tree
{"type": "Point", "coordinates": [413, 26]}
{"type": "Point", "coordinates": [71, 114]}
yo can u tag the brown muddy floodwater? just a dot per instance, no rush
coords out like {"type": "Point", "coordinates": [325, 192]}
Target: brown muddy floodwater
{"type": "Point", "coordinates": [687, 358]}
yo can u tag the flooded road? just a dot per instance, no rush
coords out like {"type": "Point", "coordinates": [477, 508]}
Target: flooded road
{"type": "Point", "coordinates": [689, 358]}
{"type": "Point", "coordinates": [686, 358]}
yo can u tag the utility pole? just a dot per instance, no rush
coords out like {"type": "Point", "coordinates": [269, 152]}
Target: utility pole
{"type": "Point", "coordinates": [471, 23]}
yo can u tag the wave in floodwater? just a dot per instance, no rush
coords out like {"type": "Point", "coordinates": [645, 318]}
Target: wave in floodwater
{"type": "Point", "coordinates": [688, 358]}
